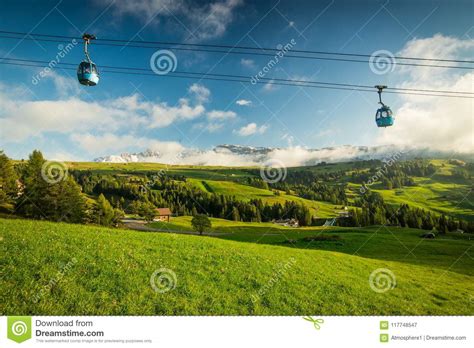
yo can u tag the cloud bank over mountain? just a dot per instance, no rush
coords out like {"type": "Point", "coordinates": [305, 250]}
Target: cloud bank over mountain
{"type": "Point", "coordinates": [235, 155]}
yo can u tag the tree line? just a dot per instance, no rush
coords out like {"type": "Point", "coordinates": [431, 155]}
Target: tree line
{"type": "Point", "coordinates": [36, 190]}
{"type": "Point", "coordinates": [132, 194]}
{"type": "Point", "coordinates": [394, 174]}
{"type": "Point", "coordinates": [27, 189]}
{"type": "Point", "coordinates": [374, 211]}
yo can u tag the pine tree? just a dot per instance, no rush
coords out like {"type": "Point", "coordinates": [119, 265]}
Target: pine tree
{"type": "Point", "coordinates": [71, 202]}
{"type": "Point", "coordinates": [104, 212]}
{"type": "Point", "coordinates": [8, 183]}
{"type": "Point", "coordinates": [258, 217]}
{"type": "Point", "coordinates": [33, 202]}
{"type": "Point", "coordinates": [43, 199]}
{"type": "Point", "coordinates": [355, 217]}
{"type": "Point", "coordinates": [235, 214]}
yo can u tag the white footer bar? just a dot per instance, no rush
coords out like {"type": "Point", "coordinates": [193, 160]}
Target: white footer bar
{"type": "Point", "coordinates": [83, 331]}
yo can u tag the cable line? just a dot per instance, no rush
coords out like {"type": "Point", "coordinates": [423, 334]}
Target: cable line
{"type": "Point", "coordinates": [216, 77]}
{"type": "Point", "coordinates": [239, 47]}
{"type": "Point", "coordinates": [287, 55]}
{"type": "Point", "coordinates": [88, 74]}
{"type": "Point", "coordinates": [266, 79]}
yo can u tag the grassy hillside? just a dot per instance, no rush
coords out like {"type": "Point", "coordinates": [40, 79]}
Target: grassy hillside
{"type": "Point", "coordinates": [436, 194]}
{"type": "Point", "coordinates": [246, 193]}
{"type": "Point", "coordinates": [112, 270]}
{"type": "Point", "coordinates": [453, 251]}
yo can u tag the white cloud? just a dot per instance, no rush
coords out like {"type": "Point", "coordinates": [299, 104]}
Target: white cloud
{"type": "Point", "coordinates": [436, 47]}
{"type": "Point", "coordinates": [100, 127]}
{"type": "Point", "coordinates": [162, 115]}
{"type": "Point", "coordinates": [204, 20]}
{"type": "Point", "coordinates": [270, 86]}
{"type": "Point", "coordinates": [244, 102]}
{"type": "Point", "coordinates": [248, 63]}
{"type": "Point", "coordinates": [109, 142]}
{"type": "Point", "coordinates": [65, 86]}
{"type": "Point", "coordinates": [202, 93]}
{"type": "Point", "coordinates": [433, 122]}
{"type": "Point", "coordinates": [221, 158]}
{"type": "Point", "coordinates": [250, 129]}
{"type": "Point", "coordinates": [24, 118]}
{"type": "Point", "coordinates": [298, 156]}
{"type": "Point", "coordinates": [212, 20]}
{"type": "Point", "coordinates": [221, 115]}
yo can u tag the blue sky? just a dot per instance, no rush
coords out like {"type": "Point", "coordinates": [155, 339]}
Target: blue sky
{"type": "Point", "coordinates": [131, 113]}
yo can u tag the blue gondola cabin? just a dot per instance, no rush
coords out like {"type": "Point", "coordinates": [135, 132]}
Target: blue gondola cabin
{"type": "Point", "coordinates": [384, 117]}
{"type": "Point", "coordinates": [88, 74]}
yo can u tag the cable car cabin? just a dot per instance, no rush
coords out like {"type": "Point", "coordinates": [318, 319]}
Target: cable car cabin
{"type": "Point", "coordinates": [87, 74]}
{"type": "Point", "coordinates": [384, 117]}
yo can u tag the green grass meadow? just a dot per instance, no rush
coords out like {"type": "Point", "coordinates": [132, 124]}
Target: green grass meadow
{"type": "Point", "coordinates": [245, 268]}
{"type": "Point", "coordinates": [452, 251]}
{"type": "Point", "coordinates": [112, 268]}
{"type": "Point", "coordinates": [436, 194]}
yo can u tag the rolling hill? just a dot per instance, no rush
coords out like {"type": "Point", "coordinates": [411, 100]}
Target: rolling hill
{"type": "Point", "coordinates": [246, 193]}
